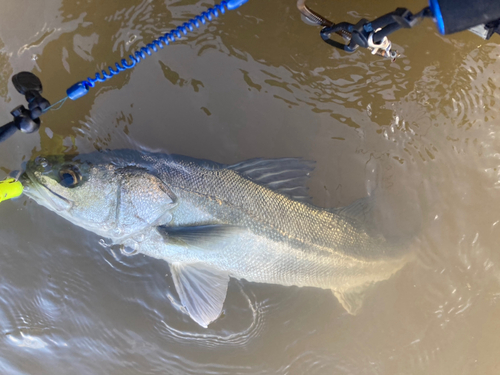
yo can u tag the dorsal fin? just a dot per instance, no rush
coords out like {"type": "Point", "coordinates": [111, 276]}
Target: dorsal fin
{"type": "Point", "coordinates": [286, 175]}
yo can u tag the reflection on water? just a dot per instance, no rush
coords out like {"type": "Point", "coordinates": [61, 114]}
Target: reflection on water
{"type": "Point", "coordinates": [257, 83]}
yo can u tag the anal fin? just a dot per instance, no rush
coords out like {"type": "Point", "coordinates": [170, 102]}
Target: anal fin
{"type": "Point", "coordinates": [351, 299]}
{"type": "Point", "coordinates": [202, 290]}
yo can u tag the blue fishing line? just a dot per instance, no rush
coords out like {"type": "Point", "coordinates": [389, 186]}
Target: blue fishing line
{"type": "Point", "coordinates": [79, 89]}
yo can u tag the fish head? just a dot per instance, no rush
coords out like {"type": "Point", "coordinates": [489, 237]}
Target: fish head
{"type": "Point", "coordinates": [79, 191]}
{"type": "Point", "coordinates": [115, 199]}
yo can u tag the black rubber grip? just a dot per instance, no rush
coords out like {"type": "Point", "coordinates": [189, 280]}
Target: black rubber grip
{"type": "Point", "coordinates": [458, 15]}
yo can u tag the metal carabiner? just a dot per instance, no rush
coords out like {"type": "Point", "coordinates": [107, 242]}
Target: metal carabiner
{"type": "Point", "coordinates": [311, 15]}
{"type": "Point", "coordinates": [370, 35]}
{"type": "Point", "coordinates": [382, 48]}
{"type": "Point", "coordinates": [317, 19]}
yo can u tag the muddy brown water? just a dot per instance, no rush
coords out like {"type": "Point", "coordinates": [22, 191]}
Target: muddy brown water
{"type": "Point", "coordinates": [258, 82]}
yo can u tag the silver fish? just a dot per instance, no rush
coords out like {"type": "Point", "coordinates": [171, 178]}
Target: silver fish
{"type": "Point", "coordinates": [211, 222]}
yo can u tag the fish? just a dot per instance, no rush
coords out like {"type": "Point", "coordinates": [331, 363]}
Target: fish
{"type": "Point", "coordinates": [211, 222]}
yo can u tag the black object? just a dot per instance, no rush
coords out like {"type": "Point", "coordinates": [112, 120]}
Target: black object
{"type": "Point", "coordinates": [452, 16]}
{"type": "Point", "coordinates": [367, 34]}
{"type": "Point", "coordinates": [371, 34]}
{"type": "Point", "coordinates": [492, 28]}
{"type": "Point", "coordinates": [26, 120]}
{"type": "Point", "coordinates": [479, 16]}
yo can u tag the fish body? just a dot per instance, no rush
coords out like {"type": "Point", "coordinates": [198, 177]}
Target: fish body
{"type": "Point", "coordinates": [211, 221]}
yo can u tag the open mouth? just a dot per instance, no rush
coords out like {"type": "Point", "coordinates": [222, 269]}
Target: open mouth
{"type": "Point", "coordinates": [25, 180]}
{"type": "Point", "coordinates": [42, 194]}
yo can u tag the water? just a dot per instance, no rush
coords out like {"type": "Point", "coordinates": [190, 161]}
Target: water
{"type": "Point", "coordinates": [258, 83]}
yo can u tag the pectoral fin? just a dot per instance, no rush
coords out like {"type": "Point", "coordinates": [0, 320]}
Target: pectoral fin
{"type": "Point", "coordinates": [351, 299]}
{"type": "Point", "coordinates": [202, 290]}
{"type": "Point", "coordinates": [197, 235]}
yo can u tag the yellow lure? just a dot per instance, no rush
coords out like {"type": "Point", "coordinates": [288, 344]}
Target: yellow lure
{"type": "Point", "coordinates": [10, 188]}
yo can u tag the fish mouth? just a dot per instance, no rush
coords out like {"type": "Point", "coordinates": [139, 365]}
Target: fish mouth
{"type": "Point", "coordinates": [42, 194]}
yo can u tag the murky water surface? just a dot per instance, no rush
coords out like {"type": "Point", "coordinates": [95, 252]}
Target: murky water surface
{"type": "Point", "coordinates": [257, 83]}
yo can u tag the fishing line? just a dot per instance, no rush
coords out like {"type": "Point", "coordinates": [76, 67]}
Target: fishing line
{"type": "Point", "coordinates": [60, 102]}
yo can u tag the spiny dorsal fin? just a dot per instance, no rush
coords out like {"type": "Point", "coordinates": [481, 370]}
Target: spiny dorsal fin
{"type": "Point", "coordinates": [286, 175]}
{"type": "Point", "coordinates": [202, 290]}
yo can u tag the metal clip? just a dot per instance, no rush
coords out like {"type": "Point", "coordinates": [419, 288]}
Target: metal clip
{"type": "Point", "coordinates": [311, 16]}
{"type": "Point", "coordinates": [383, 48]}
{"type": "Point", "coordinates": [366, 34]}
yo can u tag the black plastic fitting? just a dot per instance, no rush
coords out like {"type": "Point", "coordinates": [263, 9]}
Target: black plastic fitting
{"type": "Point", "coordinates": [26, 119]}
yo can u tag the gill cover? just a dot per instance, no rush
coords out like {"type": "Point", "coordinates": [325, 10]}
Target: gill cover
{"type": "Point", "coordinates": [142, 200]}
{"type": "Point", "coordinates": [113, 198]}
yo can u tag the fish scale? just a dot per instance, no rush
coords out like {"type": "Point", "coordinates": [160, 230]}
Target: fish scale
{"type": "Point", "coordinates": [234, 199]}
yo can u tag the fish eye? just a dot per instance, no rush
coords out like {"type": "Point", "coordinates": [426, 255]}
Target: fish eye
{"type": "Point", "coordinates": [70, 176]}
